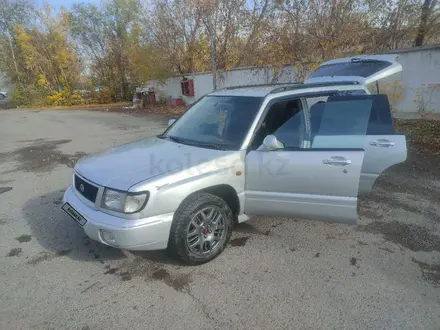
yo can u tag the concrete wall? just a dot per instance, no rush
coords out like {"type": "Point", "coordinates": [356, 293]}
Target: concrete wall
{"type": "Point", "coordinates": [415, 90]}
{"type": "Point", "coordinates": [203, 82]}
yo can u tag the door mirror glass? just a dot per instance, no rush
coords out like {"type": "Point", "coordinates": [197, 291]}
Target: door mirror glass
{"type": "Point", "coordinates": [270, 142]}
{"type": "Point", "coordinates": [170, 122]}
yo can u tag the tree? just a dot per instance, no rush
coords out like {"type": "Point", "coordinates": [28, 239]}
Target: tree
{"type": "Point", "coordinates": [120, 44]}
{"type": "Point", "coordinates": [103, 39]}
{"type": "Point", "coordinates": [427, 19]}
{"type": "Point", "coordinates": [11, 14]}
{"type": "Point", "coordinates": [42, 59]}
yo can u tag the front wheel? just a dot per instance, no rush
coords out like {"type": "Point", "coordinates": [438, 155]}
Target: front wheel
{"type": "Point", "coordinates": [201, 228]}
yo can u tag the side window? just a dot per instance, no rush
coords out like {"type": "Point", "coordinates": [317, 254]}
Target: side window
{"type": "Point", "coordinates": [341, 127]}
{"type": "Point", "coordinates": [380, 121]}
{"type": "Point", "coordinates": [287, 114]}
{"type": "Point", "coordinates": [332, 125]}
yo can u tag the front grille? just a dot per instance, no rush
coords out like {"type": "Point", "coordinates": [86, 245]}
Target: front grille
{"type": "Point", "coordinates": [86, 189]}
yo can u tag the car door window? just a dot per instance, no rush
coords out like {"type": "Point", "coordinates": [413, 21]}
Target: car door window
{"type": "Point", "coordinates": [279, 114]}
{"type": "Point", "coordinates": [380, 121]}
{"type": "Point", "coordinates": [331, 124]}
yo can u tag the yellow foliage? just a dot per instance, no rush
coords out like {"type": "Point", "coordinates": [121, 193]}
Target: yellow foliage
{"type": "Point", "coordinates": [64, 97]}
{"type": "Point", "coordinates": [41, 82]}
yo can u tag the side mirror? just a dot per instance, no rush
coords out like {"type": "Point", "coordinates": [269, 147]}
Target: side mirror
{"type": "Point", "coordinates": [170, 122]}
{"type": "Point", "coordinates": [270, 142]}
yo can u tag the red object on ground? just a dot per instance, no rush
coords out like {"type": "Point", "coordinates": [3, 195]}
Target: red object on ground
{"type": "Point", "coordinates": [175, 102]}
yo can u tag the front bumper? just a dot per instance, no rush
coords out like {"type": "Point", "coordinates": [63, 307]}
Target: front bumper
{"type": "Point", "coordinates": [143, 234]}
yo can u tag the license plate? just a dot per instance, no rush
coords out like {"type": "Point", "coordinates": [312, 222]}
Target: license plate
{"type": "Point", "coordinates": [74, 214]}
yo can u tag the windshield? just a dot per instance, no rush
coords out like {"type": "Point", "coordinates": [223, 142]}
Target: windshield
{"type": "Point", "coordinates": [217, 122]}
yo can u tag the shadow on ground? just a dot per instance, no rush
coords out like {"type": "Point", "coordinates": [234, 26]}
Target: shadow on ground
{"type": "Point", "coordinates": [62, 236]}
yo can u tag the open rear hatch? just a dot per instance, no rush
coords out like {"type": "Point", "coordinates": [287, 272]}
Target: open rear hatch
{"type": "Point", "coordinates": [364, 69]}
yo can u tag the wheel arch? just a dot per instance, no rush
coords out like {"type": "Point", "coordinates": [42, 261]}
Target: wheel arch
{"type": "Point", "coordinates": [225, 192]}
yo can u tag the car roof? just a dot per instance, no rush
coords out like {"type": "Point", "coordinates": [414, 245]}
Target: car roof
{"type": "Point", "coordinates": [264, 90]}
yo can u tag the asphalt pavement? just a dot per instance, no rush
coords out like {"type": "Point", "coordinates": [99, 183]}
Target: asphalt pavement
{"type": "Point", "coordinates": [276, 273]}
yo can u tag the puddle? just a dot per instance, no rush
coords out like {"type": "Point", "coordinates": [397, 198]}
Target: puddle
{"type": "Point", "coordinates": [24, 238]}
{"type": "Point", "coordinates": [42, 156]}
{"type": "Point", "coordinates": [140, 267]}
{"type": "Point", "coordinates": [241, 241]}
{"type": "Point", "coordinates": [178, 283]}
{"type": "Point", "coordinates": [125, 276]}
{"type": "Point", "coordinates": [16, 252]}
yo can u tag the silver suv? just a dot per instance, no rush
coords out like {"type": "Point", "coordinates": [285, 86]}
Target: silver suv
{"type": "Point", "coordinates": [297, 150]}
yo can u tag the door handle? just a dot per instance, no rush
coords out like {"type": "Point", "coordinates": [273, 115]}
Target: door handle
{"type": "Point", "coordinates": [384, 143]}
{"type": "Point", "coordinates": [337, 161]}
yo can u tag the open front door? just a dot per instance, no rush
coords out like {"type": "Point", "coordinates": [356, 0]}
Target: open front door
{"type": "Point", "coordinates": [318, 182]}
{"type": "Point", "coordinates": [365, 69]}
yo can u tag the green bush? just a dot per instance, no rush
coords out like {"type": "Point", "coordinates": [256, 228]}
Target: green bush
{"type": "Point", "coordinates": [29, 96]}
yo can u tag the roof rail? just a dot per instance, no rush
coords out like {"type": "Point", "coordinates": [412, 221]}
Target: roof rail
{"type": "Point", "coordinates": [312, 85]}
{"type": "Point", "coordinates": [261, 85]}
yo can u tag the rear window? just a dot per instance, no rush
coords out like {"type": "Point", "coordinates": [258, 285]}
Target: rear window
{"type": "Point", "coordinates": [360, 69]}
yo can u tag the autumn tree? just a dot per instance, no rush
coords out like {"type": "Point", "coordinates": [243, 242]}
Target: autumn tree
{"type": "Point", "coordinates": [120, 44]}
{"type": "Point", "coordinates": [12, 13]}
{"type": "Point", "coordinates": [43, 60]}
{"type": "Point", "coordinates": [429, 18]}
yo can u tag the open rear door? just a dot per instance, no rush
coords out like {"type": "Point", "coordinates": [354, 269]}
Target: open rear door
{"type": "Point", "coordinates": [365, 69]}
{"type": "Point", "coordinates": [383, 147]}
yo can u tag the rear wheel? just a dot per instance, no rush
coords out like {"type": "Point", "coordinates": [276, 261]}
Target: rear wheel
{"type": "Point", "coordinates": [201, 228]}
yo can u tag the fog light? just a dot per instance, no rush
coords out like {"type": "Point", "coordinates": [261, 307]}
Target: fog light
{"type": "Point", "coordinates": [107, 237]}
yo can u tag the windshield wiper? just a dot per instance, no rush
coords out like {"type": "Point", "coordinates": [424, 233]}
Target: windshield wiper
{"type": "Point", "coordinates": [175, 139]}
{"type": "Point", "coordinates": [208, 145]}
{"type": "Point", "coordinates": [194, 143]}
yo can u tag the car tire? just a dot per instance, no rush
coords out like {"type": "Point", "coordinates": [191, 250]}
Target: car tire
{"type": "Point", "coordinates": [192, 210]}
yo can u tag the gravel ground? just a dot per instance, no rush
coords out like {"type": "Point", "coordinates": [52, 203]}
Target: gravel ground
{"type": "Point", "coordinates": [277, 272]}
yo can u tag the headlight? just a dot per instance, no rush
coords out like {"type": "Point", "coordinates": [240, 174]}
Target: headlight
{"type": "Point", "coordinates": [124, 202]}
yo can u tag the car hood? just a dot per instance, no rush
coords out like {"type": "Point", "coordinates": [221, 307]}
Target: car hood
{"type": "Point", "coordinates": [124, 166]}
